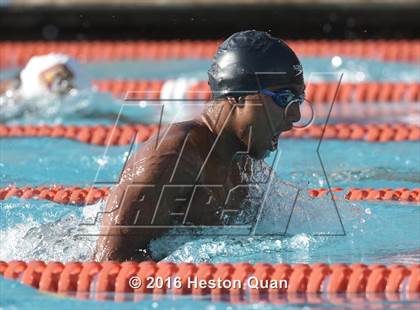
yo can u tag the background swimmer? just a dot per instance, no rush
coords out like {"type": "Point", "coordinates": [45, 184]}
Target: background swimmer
{"type": "Point", "coordinates": [48, 77]}
{"type": "Point", "coordinates": [51, 74]}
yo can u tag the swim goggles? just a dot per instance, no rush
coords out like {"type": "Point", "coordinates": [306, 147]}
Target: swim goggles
{"type": "Point", "coordinates": [283, 98]}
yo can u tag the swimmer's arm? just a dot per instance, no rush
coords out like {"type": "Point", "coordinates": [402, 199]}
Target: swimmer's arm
{"type": "Point", "coordinates": [130, 206]}
{"type": "Point", "coordinates": [117, 241]}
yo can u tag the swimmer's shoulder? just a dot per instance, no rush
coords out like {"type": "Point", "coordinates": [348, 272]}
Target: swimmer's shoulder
{"type": "Point", "coordinates": [183, 129]}
{"type": "Point", "coordinates": [191, 139]}
{"type": "Point", "coordinates": [186, 135]}
{"type": "Point", "coordinates": [180, 146]}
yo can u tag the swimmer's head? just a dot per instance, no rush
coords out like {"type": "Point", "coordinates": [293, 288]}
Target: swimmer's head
{"type": "Point", "coordinates": [263, 78]}
{"type": "Point", "coordinates": [56, 74]}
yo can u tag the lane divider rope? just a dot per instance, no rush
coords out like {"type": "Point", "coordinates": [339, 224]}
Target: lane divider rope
{"type": "Point", "coordinates": [110, 276]}
{"type": "Point", "coordinates": [124, 134]}
{"type": "Point", "coordinates": [18, 53]}
{"type": "Point", "coordinates": [75, 195]}
{"type": "Point", "coordinates": [317, 92]}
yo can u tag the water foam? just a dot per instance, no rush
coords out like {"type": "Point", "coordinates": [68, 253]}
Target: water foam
{"type": "Point", "coordinates": [48, 231]}
{"type": "Point", "coordinates": [41, 237]}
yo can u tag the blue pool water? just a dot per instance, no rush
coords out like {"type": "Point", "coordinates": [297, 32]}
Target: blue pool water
{"type": "Point", "coordinates": [385, 232]}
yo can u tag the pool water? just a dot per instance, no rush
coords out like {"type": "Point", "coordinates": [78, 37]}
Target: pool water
{"type": "Point", "coordinates": [368, 232]}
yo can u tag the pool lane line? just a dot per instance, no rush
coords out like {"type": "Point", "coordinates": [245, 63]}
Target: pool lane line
{"type": "Point", "coordinates": [316, 92]}
{"type": "Point", "coordinates": [74, 195]}
{"type": "Point", "coordinates": [276, 283]}
{"type": "Point", "coordinates": [320, 93]}
{"type": "Point", "coordinates": [17, 54]}
{"type": "Point", "coordinates": [123, 135]}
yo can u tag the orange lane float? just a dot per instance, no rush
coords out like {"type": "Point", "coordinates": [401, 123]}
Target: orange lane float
{"type": "Point", "coordinates": [75, 195]}
{"type": "Point", "coordinates": [234, 280]}
{"type": "Point", "coordinates": [15, 54]}
{"type": "Point", "coordinates": [318, 92]}
{"type": "Point", "coordinates": [125, 134]}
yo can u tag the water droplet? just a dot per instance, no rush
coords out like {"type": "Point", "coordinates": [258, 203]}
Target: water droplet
{"type": "Point", "coordinates": [336, 61]}
{"type": "Point", "coordinates": [360, 76]}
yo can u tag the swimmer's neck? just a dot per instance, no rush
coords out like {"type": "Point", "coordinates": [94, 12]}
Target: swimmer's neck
{"type": "Point", "coordinates": [218, 119]}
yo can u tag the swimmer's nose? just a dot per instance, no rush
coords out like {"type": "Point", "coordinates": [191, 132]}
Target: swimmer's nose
{"type": "Point", "coordinates": [293, 113]}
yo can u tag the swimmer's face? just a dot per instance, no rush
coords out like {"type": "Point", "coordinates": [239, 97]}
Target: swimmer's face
{"type": "Point", "coordinates": [262, 121]}
{"type": "Point", "coordinates": [58, 79]}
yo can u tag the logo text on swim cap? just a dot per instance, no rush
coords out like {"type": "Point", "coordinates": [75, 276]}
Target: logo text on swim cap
{"type": "Point", "coordinates": [298, 69]}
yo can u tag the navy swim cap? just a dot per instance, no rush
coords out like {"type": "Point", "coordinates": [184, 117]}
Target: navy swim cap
{"type": "Point", "coordinates": [251, 60]}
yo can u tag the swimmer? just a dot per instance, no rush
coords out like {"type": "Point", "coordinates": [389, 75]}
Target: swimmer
{"type": "Point", "coordinates": [48, 76]}
{"type": "Point", "coordinates": [51, 74]}
{"type": "Point", "coordinates": [183, 175]}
